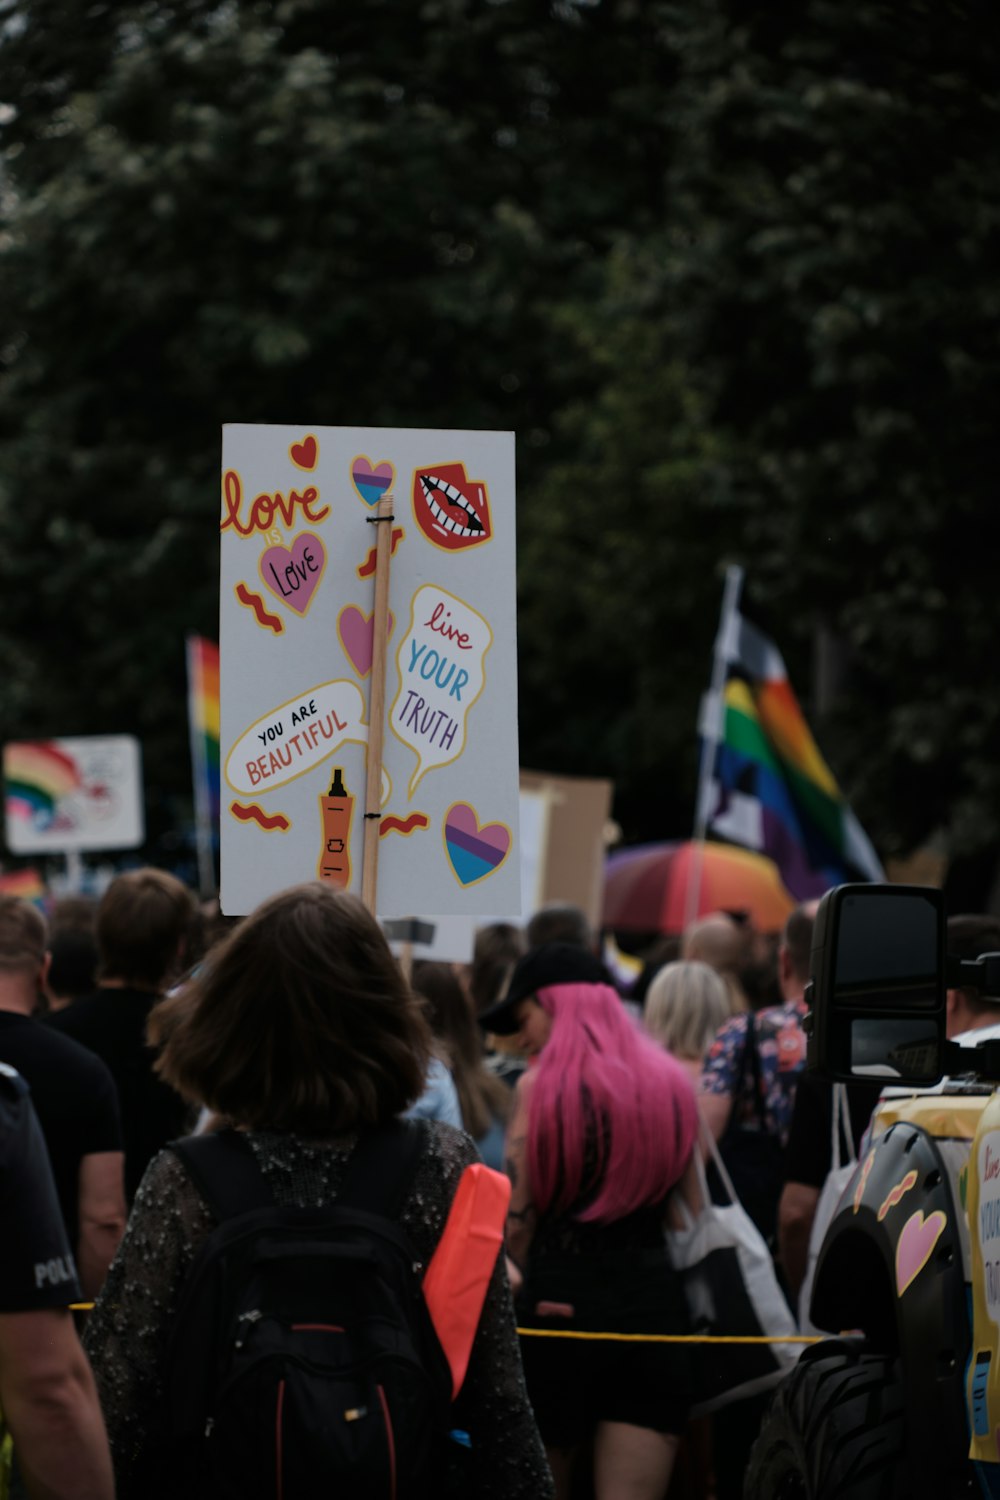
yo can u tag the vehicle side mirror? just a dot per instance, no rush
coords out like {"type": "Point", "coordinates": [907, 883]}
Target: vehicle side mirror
{"type": "Point", "coordinates": [877, 991]}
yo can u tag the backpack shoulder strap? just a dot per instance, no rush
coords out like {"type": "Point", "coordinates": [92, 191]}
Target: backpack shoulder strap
{"type": "Point", "coordinates": [223, 1168]}
{"type": "Point", "coordinates": [752, 1055]}
{"type": "Point", "coordinates": [381, 1168]}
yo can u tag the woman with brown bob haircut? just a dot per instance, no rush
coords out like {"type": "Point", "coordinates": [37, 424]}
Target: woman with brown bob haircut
{"type": "Point", "coordinates": [299, 1020]}
{"type": "Point", "coordinates": [301, 1031]}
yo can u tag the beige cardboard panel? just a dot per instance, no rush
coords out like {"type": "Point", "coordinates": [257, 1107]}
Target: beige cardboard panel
{"type": "Point", "coordinates": [578, 810]}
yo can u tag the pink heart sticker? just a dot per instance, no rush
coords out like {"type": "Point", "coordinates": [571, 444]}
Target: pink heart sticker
{"type": "Point", "coordinates": [372, 480]}
{"type": "Point", "coordinates": [474, 851]}
{"type": "Point", "coordinates": [915, 1246]}
{"type": "Point", "coordinates": [293, 574]}
{"type": "Point", "coordinates": [357, 636]}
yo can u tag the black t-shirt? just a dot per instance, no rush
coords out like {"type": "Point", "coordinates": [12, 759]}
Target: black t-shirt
{"type": "Point", "coordinates": [807, 1155]}
{"type": "Point", "coordinates": [36, 1265]}
{"type": "Point", "coordinates": [112, 1023]}
{"type": "Point", "coordinates": [74, 1097]}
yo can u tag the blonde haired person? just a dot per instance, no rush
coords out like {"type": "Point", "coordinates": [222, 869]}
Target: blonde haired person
{"type": "Point", "coordinates": [686, 1004]}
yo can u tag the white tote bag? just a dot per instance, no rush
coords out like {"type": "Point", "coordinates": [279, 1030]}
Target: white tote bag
{"type": "Point", "coordinates": [841, 1171]}
{"type": "Point", "coordinates": [731, 1290]}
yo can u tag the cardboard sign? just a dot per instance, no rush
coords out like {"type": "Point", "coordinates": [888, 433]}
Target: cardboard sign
{"type": "Point", "coordinates": [298, 536]}
{"type": "Point", "coordinates": [571, 862]}
{"type": "Point", "coordinates": [73, 794]}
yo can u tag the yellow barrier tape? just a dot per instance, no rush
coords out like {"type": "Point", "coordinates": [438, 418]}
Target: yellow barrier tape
{"type": "Point", "coordinates": [630, 1338]}
{"type": "Point", "coordinates": [672, 1338]}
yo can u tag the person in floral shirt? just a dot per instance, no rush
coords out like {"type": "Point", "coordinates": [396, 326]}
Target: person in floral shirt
{"type": "Point", "coordinates": [727, 1083]}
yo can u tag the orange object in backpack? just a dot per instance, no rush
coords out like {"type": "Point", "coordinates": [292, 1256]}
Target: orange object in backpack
{"type": "Point", "coordinates": [458, 1276]}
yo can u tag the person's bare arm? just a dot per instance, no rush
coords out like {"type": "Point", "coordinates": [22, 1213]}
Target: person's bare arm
{"type": "Point", "coordinates": [796, 1212]}
{"type": "Point", "coordinates": [50, 1404]}
{"type": "Point", "coordinates": [102, 1216]}
{"type": "Point", "coordinates": [522, 1216]}
{"type": "Point", "coordinates": [715, 1111]}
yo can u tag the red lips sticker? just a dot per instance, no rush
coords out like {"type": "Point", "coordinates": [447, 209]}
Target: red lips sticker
{"type": "Point", "coordinates": [451, 510]}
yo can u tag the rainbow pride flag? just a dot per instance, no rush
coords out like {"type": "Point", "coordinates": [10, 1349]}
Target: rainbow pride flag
{"type": "Point", "coordinates": [203, 725]}
{"type": "Point", "coordinates": [769, 788]}
{"type": "Point", "coordinates": [26, 884]}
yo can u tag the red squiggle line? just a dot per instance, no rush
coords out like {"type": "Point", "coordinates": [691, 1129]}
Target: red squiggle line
{"type": "Point", "coordinates": [256, 603]}
{"type": "Point", "coordinates": [367, 568]}
{"type": "Point", "coordinates": [392, 824]}
{"type": "Point", "coordinates": [255, 814]}
{"type": "Point", "coordinates": [896, 1195]}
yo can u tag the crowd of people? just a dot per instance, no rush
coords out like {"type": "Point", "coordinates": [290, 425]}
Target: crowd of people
{"type": "Point", "coordinates": [322, 1074]}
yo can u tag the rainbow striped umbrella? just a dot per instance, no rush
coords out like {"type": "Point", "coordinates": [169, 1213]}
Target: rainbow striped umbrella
{"type": "Point", "coordinates": [646, 886]}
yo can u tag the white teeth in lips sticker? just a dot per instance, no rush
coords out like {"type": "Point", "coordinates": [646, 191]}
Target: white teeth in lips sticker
{"type": "Point", "coordinates": [467, 523]}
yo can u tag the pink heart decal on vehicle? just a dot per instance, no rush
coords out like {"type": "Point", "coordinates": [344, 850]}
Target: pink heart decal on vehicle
{"type": "Point", "coordinates": [357, 636]}
{"type": "Point", "coordinates": [293, 574]}
{"type": "Point", "coordinates": [915, 1246]}
{"type": "Point", "coordinates": [372, 480]}
{"type": "Point", "coordinates": [473, 851]}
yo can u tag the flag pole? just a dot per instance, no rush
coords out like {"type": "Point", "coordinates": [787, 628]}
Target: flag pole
{"type": "Point", "coordinates": [376, 704]}
{"type": "Point", "coordinates": [199, 769]}
{"type": "Point", "coordinates": [711, 733]}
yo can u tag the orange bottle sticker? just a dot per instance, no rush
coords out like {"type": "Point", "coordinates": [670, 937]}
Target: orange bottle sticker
{"type": "Point", "coordinates": [336, 811]}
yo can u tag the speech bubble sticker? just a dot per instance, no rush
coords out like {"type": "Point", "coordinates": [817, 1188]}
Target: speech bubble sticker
{"type": "Point", "coordinates": [370, 480]}
{"type": "Point", "coordinates": [296, 736]}
{"type": "Point", "coordinates": [985, 1227]}
{"type": "Point", "coordinates": [475, 850]}
{"type": "Point", "coordinates": [441, 665]}
{"type": "Point", "coordinates": [293, 574]}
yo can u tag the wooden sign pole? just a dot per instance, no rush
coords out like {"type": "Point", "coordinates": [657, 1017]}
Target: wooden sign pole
{"type": "Point", "coordinates": [376, 704]}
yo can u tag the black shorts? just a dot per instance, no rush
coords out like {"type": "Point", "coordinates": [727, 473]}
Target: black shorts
{"type": "Point", "coordinates": [574, 1384]}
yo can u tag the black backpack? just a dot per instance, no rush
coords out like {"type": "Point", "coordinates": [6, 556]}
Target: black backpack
{"type": "Point", "coordinates": [303, 1359]}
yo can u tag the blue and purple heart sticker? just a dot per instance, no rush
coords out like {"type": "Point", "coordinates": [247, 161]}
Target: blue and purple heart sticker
{"type": "Point", "coordinates": [474, 851]}
{"type": "Point", "coordinates": [371, 480]}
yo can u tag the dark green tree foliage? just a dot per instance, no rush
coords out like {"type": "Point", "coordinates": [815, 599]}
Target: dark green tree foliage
{"type": "Point", "coordinates": [838, 295]}
{"type": "Point", "coordinates": [303, 212]}
{"type": "Point", "coordinates": [728, 270]}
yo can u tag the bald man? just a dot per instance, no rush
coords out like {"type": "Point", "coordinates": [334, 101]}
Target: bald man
{"type": "Point", "coordinates": [721, 942]}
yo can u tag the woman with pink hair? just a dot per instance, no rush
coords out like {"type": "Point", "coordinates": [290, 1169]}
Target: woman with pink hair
{"type": "Point", "coordinates": [604, 1126]}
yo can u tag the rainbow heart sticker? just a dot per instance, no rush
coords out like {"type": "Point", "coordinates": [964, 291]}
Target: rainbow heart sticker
{"type": "Point", "coordinates": [474, 851]}
{"type": "Point", "coordinates": [371, 480]}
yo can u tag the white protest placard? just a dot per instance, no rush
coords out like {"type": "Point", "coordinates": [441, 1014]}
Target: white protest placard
{"type": "Point", "coordinates": [77, 793]}
{"type": "Point", "coordinates": [298, 534]}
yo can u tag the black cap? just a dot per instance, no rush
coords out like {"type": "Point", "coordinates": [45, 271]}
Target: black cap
{"type": "Point", "coordinates": [552, 963]}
